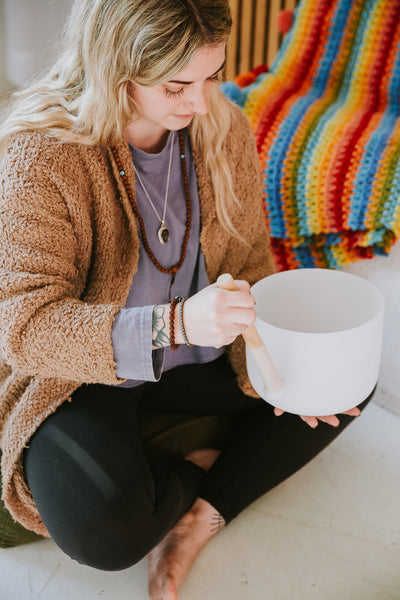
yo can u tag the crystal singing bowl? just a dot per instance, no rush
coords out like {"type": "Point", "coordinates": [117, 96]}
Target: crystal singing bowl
{"type": "Point", "coordinates": [323, 331]}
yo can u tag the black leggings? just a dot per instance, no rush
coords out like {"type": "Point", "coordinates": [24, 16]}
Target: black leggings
{"type": "Point", "coordinates": [107, 506]}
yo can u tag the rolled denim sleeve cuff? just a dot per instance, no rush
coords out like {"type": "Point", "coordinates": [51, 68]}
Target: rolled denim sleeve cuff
{"type": "Point", "coordinates": [131, 338]}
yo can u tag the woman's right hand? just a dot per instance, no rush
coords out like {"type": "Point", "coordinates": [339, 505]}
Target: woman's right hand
{"type": "Point", "coordinates": [215, 317]}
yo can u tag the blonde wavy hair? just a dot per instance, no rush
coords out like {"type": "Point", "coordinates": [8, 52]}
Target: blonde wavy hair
{"type": "Point", "coordinates": [108, 44]}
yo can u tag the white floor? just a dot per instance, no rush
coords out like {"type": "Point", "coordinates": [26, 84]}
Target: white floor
{"type": "Point", "coordinates": [331, 532]}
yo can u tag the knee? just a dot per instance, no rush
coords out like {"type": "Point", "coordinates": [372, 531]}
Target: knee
{"type": "Point", "coordinates": [109, 543]}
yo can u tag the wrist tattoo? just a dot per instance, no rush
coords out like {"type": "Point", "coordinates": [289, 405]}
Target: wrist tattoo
{"type": "Point", "coordinates": [160, 327]}
{"type": "Point", "coordinates": [217, 522]}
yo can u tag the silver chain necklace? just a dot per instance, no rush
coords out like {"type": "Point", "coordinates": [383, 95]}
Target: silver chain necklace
{"type": "Point", "coordinates": [163, 231]}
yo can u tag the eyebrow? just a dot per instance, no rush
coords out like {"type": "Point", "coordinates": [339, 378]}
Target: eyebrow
{"type": "Point", "coordinates": [189, 82]}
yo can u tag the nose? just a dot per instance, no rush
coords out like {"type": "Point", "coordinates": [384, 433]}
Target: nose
{"type": "Point", "coordinates": [198, 102]}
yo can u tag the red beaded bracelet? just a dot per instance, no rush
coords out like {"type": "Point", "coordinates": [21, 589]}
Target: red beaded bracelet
{"type": "Point", "coordinates": [172, 322]}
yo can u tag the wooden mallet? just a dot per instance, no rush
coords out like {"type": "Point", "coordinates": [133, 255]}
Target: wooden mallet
{"type": "Point", "coordinates": [274, 386]}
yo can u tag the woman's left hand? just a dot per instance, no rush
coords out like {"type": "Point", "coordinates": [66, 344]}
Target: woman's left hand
{"type": "Point", "coordinates": [330, 419]}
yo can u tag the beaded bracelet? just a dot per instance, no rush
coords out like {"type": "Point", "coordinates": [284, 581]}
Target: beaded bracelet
{"type": "Point", "coordinates": [180, 309]}
{"type": "Point", "coordinates": [172, 322]}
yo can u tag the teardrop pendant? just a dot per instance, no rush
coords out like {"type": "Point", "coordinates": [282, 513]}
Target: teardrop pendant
{"type": "Point", "coordinates": [163, 234]}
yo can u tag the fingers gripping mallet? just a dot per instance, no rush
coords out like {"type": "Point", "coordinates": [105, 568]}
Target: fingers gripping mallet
{"type": "Point", "coordinates": [274, 386]}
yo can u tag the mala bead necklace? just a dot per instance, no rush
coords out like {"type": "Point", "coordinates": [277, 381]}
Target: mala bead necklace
{"type": "Point", "coordinates": [162, 231]}
{"type": "Point", "coordinates": [175, 268]}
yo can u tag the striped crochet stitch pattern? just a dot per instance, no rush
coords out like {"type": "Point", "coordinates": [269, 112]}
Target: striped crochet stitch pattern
{"type": "Point", "coordinates": [327, 125]}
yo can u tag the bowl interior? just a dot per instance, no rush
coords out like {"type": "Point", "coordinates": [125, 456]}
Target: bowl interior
{"type": "Point", "coordinates": [316, 300]}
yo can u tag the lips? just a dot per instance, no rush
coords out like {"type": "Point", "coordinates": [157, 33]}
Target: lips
{"type": "Point", "coordinates": [184, 116]}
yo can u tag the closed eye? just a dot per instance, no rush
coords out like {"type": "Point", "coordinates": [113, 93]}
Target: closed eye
{"type": "Point", "coordinates": [176, 93]}
{"type": "Point", "coordinates": [173, 94]}
{"type": "Point", "coordinates": [215, 78]}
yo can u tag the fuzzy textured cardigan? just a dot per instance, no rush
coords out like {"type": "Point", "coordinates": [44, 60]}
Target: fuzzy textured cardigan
{"type": "Point", "coordinates": [69, 247]}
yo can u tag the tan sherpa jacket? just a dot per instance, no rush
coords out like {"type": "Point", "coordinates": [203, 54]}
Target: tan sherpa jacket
{"type": "Point", "coordinates": [69, 248]}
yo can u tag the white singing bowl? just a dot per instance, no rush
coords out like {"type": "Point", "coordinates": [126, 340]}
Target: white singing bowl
{"type": "Point", "coordinates": [323, 330]}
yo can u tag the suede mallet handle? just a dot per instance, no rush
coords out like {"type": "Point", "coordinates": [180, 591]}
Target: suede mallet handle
{"type": "Point", "coordinates": [274, 386]}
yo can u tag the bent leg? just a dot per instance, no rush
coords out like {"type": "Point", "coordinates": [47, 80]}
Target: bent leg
{"type": "Point", "coordinates": [100, 500]}
{"type": "Point", "coordinates": [263, 451]}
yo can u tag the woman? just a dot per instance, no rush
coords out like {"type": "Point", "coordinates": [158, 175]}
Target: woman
{"type": "Point", "coordinates": [128, 185]}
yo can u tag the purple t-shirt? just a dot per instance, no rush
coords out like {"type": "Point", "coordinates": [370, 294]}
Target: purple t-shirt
{"type": "Point", "coordinates": [132, 328]}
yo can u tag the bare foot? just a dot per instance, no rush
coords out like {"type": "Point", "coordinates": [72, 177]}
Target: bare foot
{"type": "Point", "coordinates": [170, 561]}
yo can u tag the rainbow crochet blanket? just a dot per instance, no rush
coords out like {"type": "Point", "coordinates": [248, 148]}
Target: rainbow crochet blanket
{"type": "Point", "coordinates": [327, 124]}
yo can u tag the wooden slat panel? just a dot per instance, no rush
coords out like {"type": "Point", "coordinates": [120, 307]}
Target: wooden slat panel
{"type": "Point", "coordinates": [231, 69]}
{"type": "Point", "coordinates": [260, 32]}
{"type": "Point", "coordinates": [290, 4]}
{"type": "Point", "coordinates": [273, 33]}
{"type": "Point", "coordinates": [246, 34]}
{"type": "Point", "coordinates": [255, 38]}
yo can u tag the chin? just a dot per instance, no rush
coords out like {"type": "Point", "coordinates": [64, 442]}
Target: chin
{"type": "Point", "coordinates": [182, 119]}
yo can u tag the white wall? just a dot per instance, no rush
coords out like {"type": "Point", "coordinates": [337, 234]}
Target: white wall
{"type": "Point", "coordinates": [384, 272]}
{"type": "Point", "coordinates": [2, 48]}
{"type": "Point", "coordinates": [31, 32]}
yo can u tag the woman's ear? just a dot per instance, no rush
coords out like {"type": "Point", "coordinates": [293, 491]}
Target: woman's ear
{"type": "Point", "coordinates": [131, 88]}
